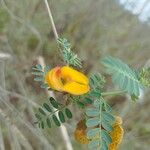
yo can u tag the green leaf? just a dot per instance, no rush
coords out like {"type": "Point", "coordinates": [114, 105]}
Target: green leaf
{"type": "Point", "coordinates": [53, 102]}
{"type": "Point", "coordinates": [48, 122]}
{"type": "Point", "coordinates": [92, 112]}
{"type": "Point", "coordinates": [94, 143]}
{"type": "Point", "coordinates": [42, 111]}
{"type": "Point", "coordinates": [144, 77]}
{"type": "Point", "coordinates": [46, 69]}
{"type": "Point", "coordinates": [104, 146]}
{"type": "Point", "coordinates": [93, 132]}
{"type": "Point", "coordinates": [37, 69]}
{"type": "Point", "coordinates": [38, 66]}
{"type": "Point", "coordinates": [69, 56]}
{"type": "Point", "coordinates": [80, 104]}
{"type": "Point", "coordinates": [92, 122]}
{"type": "Point", "coordinates": [108, 117]}
{"type": "Point", "coordinates": [107, 107]}
{"type": "Point", "coordinates": [47, 107]}
{"type": "Point", "coordinates": [134, 98]}
{"type": "Point", "coordinates": [97, 81]}
{"type": "Point", "coordinates": [61, 116]}
{"type": "Point", "coordinates": [56, 121]}
{"type": "Point", "coordinates": [88, 100]}
{"type": "Point", "coordinates": [39, 79]}
{"type": "Point", "coordinates": [44, 85]}
{"type": "Point", "coordinates": [106, 136]}
{"type": "Point", "coordinates": [96, 94]}
{"type": "Point", "coordinates": [97, 103]}
{"type": "Point", "coordinates": [42, 124]}
{"type": "Point", "coordinates": [106, 126]}
{"type": "Point", "coordinates": [122, 75]}
{"type": "Point", "coordinates": [38, 116]}
{"type": "Point", "coordinates": [92, 82]}
{"type": "Point", "coordinates": [38, 73]}
{"type": "Point", "coordinates": [68, 113]}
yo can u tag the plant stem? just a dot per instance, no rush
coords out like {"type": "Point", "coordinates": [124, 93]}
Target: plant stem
{"type": "Point", "coordinates": [113, 93]}
{"type": "Point", "coordinates": [51, 19]}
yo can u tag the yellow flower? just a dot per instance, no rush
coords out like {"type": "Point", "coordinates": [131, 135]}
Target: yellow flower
{"type": "Point", "coordinates": [68, 80]}
{"type": "Point", "coordinates": [116, 134]}
{"type": "Point", "coordinates": [80, 133]}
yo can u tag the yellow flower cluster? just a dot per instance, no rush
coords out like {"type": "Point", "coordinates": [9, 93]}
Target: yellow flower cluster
{"type": "Point", "coordinates": [116, 134]}
{"type": "Point", "coordinates": [80, 133]}
{"type": "Point", "coordinates": [67, 79]}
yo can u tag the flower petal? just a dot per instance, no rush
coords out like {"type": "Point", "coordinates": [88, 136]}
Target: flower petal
{"type": "Point", "coordinates": [48, 78]}
{"type": "Point", "coordinates": [74, 75]}
{"type": "Point", "coordinates": [53, 78]}
{"type": "Point", "coordinates": [75, 88]}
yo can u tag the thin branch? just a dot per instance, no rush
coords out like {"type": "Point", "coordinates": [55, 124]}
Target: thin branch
{"type": "Point", "coordinates": [51, 19]}
{"type": "Point", "coordinates": [41, 60]}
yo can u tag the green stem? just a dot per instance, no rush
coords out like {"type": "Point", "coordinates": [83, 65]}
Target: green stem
{"type": "Point", "coordinates": [113, 93]}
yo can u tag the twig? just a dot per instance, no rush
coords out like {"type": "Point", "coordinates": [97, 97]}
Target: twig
{"type": "Point", "coordinates": [51, 19]}
{"type": "Point", "coordinates": [62, 128]}
{"type": "Point", "coordinates": [41, 60]}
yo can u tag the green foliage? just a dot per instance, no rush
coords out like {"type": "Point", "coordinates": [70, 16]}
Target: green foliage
{"type": "Point", "coordinates": [99, 122]}
{"type": "Point", "coordinates": [40, 73]}
{"type": "Point", "coordinates": [144, 77]}
{"type": "Point", "coordinates": [97, 81]}
{"type": "Point", "coordinates": [69, 57]}
{"type": "Point", "coordinates": [88, 100]}
{"type": "Point", "coordinates": [96, 93]}
{"type": "Point", "coordinates": [99, 118]}
{"type": "Point", "coordinates": [82, 101]}
{"type": "Point", "coordinates": [53, 112]}
{"type": "Point", "coordinates": [123, 75]}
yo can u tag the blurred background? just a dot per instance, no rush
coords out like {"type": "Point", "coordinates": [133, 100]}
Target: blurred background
{"type": "Point", "coordinates": [95, 29]}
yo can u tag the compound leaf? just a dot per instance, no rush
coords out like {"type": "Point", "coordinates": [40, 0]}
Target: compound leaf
{"type": "Point", "coordinates": [122, 75]}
